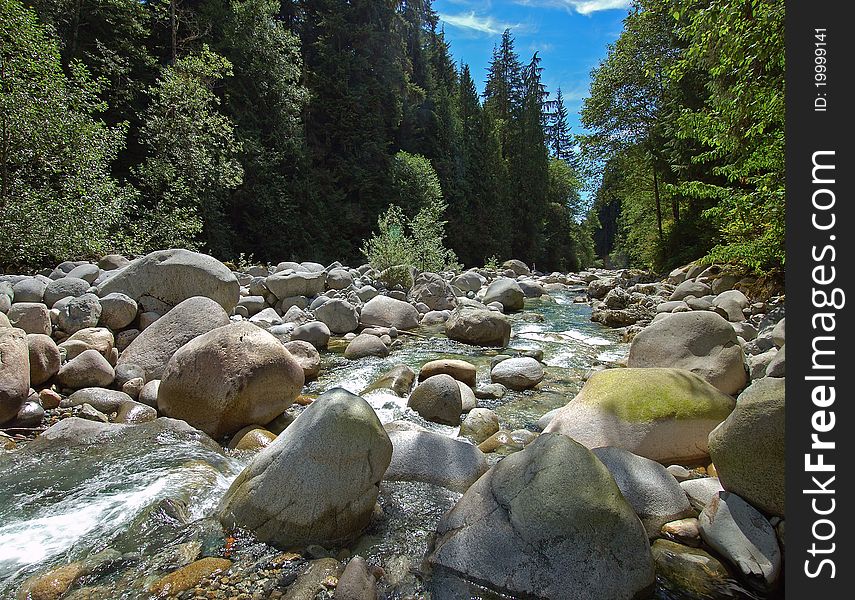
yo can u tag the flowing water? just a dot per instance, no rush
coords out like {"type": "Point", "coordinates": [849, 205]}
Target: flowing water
{"type": "Point", "coordinates": [133, 506]}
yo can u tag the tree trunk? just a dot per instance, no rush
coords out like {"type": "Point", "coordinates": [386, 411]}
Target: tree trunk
{"type": "Point", "coordinates": [658, 204]}
{"type": "Point", "coordinates": [173, 24]}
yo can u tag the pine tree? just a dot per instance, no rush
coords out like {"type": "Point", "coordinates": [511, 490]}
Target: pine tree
{"type": "Point", "coordinates": [560, 141]}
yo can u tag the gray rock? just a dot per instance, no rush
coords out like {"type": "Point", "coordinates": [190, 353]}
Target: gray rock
{"type": "Point", "coordinates": [701, 342]}
{"type": "Point", "coordinates": [778, 336]}
{"type": "Point", "coordinates": [758, 363]}
{"type": "Point", "coordinates": [436, 459]}
{"type": "Point", "coordinates": [537, 507]}
{"type": "Point", "coordinates": [744, 537]}
{"type": "Point", "coordinates": [365, 345]}
{"type": "Point", "coordinates": [88, 369]}
{"type": "Point", "coordinates": [701, 491]}
{"type": "Point", "coordinates": [438, 399]}
{"type": "Point", "coordinates": [479, 424]}
{"type": "Point", "coordinates": [118, 311]}
{"type": "Point", "coordinates": [357, 582]}
{"type": "Point", "coordinates": [733, 303]}
{"type": "Point", "coordinates": [777, 365]}
{"type": "Point", "coordinates": [127, 371]}
{"type": "Point", "coordinates": [339, 279]}
{"type": "Point", "coordinates": [80, 313]}
{"type": "Point", "coordinates": [749, 449]}
{"type": "Point", "coordinates": [339, 315]}
{"type": "Point", "coordinates": [490, 391]}
{"type": "Point", "coordinates": [153, 348]}
{"type": "Point", "coordinates": [478, 327]}
{"type": "Point", "coordinates": [306, 356]}
{"type": "Point", "coordinates": [469, 281]}
{"type": "Point", "coordinates": [468, 401]}
{"type": "Point", "coordinates": [31, 414]}
{"type": "Point", "coordinates": [111, 262]}
{"type": "Point", "coordinates": [67, 286]}
{"type": "Point", "coordinates": [654, 494]}
{"type": "Point", "coordinates": [318, 482]}
{"type": "Point", "coordinates": [29, 289]}
{"type": "Point", "coordinates": [517, 373]}
{"type": "Point", "coordinates": [228, 378]}
{"type": "Point", "coordinates": [383, 311]}
{"type": "Point", "coordinates": [690, 288]}
{"type": "Point", "coordinates": [506, 292]}
{"type": "Point", "coordinates": [266, 318]}
{"type": "Point", "coordinates": [87, 272]}
{"type": "Point", "coordinates": [44, 356]}
{"type": "Point", "coordinates": [316, 333]}
{"type": "Point", "coordinates": [148, 393]}
{"type": "Point", "coordinates": [517, 266]}
{"type": "Point", "coordinates": [694, 572]}
{"type": "Point", "coordinates": [252, 304]}
{"type": "Point", "coordinates": [14, 372]}
{"type": "Point", "coordinates": [173, 276]}
{"type": "Point", "coordinates": [32, 317]}
{"type": "Point", "coordinates": [434, 291]}
{"type": "Point", "coordinates": [531, 288]}
{"type": "Point", "coordinates": [286, 285]}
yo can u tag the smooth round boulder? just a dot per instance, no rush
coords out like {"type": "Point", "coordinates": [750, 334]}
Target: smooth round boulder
{"type": "Point", "coordinates": [690, 288]}
{"type": "Point", "coordinates": [318, 482]}
{"type": "Point", "coordinates": [251, 437]}
{"type": "Point", "coordinates": [14, 372]}
{"type": "Point", "coordinates": [459, 369]}
{"type": "Point", "coordinates": [45, 359]}
{"type": "Point", "coordinates": [315, 332]}
{"type": "Point", "coordinates": [64, 287]}
{"type": "Point", "coordinates": [365, 345]}
{"type": "Point", "coordinates": [517, 266]}
{"type": "Point", "coordinates": [117, 311]}
{"type": "Point", "coordinates": [87, 369]}
{"type": "Point", "coordinates": [478, 327]}
{"type": "Point", "coordinates": [91, 338]}
{"type": "Point", "coordinates": [479, 424]}
{"type": "Point", "coordinates": [546, 522]}
{"type": "Point", "coordinates": [111, 262]}
{"type": "Point", "coordinates": [339, 315]}
{"type": "Point", "coordinates": [79, 313]}
{"type": "Point", "coordinates": [518, 374]}
{"type": "Point", "coordinates": [438, 399]}
{"type": "Point", "coordinates": [29, 289]}
{"type": "Point", "coordinates": [153, 348]}
{"type": "Point", "coordinates": [172, 276]}
{"type": "Point", "coordinates": [506, 292]}
{"type": "Point", "coordinates": [665, 415]}
{"type": "Point", "coordinates": [88, 272]}
{"type": "Point", "coordinates": [436, 459]}
{"type": "Point", "coordinates": [383, 311]}
{"type": "Point", "coordinates": [306, 356]}
{"type": "Point", "coordinates": [697, 341]}
{"type": "Point", "coordinates": [749, 447]}
{"type": "Point", "coordinates": [31, 317]}
{"type": "Point", "coordinates": [468, 281]}
{"type": "Point", "coordinates": [228, 378]}
{"type": "Point", "coordinates": [654, 494]}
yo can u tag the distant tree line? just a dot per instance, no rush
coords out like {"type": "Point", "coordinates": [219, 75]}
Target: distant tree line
{"type": "Point", "coordinates": [277, 129]}
{"type": "Point", "coordinates": [686, 122]}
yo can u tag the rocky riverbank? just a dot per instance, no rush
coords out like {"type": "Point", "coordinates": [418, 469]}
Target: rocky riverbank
{"type": "Point", "coordinates": [175, 349]}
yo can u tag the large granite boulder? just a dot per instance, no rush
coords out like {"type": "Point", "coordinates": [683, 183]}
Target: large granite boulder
{"type": "Point", "coordinates": [506, 292]}
{"type": "Point", "coordinates": [438, 399]}
{"type": "Point", "coordinates": [478, 327]}
{"type": "Point", "coordinates": [661, 414]}
{"type": "Point", "coordinates": [749, 447]}
{"type": "Point", "coordinates": [547, 522]}
{"type": "Point", "coordinates": [383, 311]}
{"type": "Point", "coordinates": [228, 378]}
{"type": "Point", "coordinates": [319, 481]}
{"type": "Point", "coordinates": [697, 341]}
{"type": "Point", "coordinates": [172, 276]}
{"type": "Point", "coordinates": [153, 348]}
{"type": "Point", "coordinates": [434, 291]}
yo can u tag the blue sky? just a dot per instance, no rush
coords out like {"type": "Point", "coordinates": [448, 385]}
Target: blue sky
{"type": "Point", "coordinates": [571, 36]}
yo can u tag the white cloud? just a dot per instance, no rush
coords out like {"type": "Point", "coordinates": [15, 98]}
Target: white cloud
{"type": "Point", "coordinates": [583, 7]}
{"type": "Point", "coordinates": [474, 22]}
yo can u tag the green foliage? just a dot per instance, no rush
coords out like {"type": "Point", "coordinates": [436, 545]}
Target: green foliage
{"type": "Point", "coordinates": [57, 197]}
{"type": "Point", "coordinates": [418, 241]}
{"type": "Point", "coordinates": [191, 163]}
{"type": "Point", "coordinates": [688, 112]}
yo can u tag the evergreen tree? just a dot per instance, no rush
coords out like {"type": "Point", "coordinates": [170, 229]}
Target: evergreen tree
{"type": "Point", "coordinates": [560, 140]}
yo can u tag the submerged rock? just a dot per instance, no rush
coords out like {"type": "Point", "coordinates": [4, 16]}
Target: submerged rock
{"type": "Point", "coordinates": [434, 458]}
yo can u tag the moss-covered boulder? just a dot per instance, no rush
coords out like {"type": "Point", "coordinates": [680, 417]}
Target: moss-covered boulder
{"type": "Point", "coordinates": [749, 450]}
{"type": "Point", "coordinates": [693, 572]}
{"type": "Point", "coordinates": [661, 414]}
